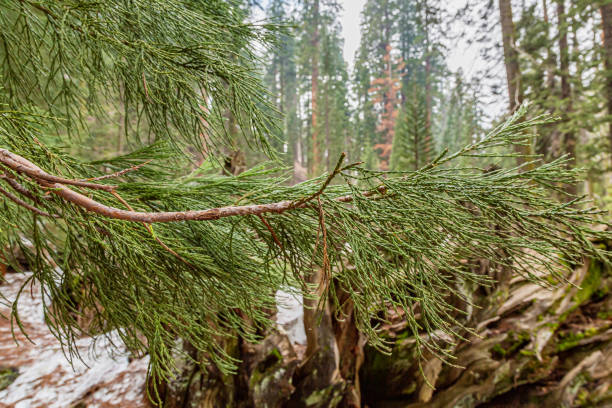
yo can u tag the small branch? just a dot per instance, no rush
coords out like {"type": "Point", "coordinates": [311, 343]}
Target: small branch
{"type": "Point", "coordinates": [146, 88]}
{"type": "Point", "coordinates": [269, 227]}
{"type": "Point", "coordinates": [21, 165]}
{"type": "Point", "coordinates": [20, 188]}
{"type": "Point", "coordinates": [57, 187]}
{"type": "Point", "coordinates": [326, 264]}
{"type": "Point", "coordinates": [22, 203]}
{"type": "Point", "coordinates": [348, 198]}
{"type": "Point", "coordinates": [328, 180]}
{"type": "Point", "coordinates": [118, 173]}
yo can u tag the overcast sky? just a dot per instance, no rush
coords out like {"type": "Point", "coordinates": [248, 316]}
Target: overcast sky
{"type": "Point", "coordinates": [350, 27]}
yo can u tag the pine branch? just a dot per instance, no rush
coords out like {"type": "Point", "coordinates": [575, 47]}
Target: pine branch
{"type": "Point", "coordinates": [22, 203]}
{"type": "Point", "coordinates": [119, 173]}
{"type": "Point", "coordinates": [56, 186]}
{"type": "Point", "coordinates": [22, 165]}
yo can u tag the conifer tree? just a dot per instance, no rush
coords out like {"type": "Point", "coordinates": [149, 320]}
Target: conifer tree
{"type": "Point", "coordinates": [386, 97]}
{"type": "Point", "coordinates": [165, 250]}
{"type": "Point", "coordinates": [409, 143]}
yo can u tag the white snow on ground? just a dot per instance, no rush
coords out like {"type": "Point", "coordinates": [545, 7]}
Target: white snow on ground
{"type": "Point", "coordinates": [46, 378]}
{"type": "Point", "coordinates": [290, 315]}
{"type": "Point", "coordinates": [103, 379]}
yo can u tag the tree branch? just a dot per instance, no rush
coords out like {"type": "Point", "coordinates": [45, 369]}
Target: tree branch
{"type": "Point", "coordinates": [19, 188]}
{"type": "Point", "coordinates": [57, 187]}
{"type": "Point", "coordinates": [118, 173]}
{"type": "Point", "coordinates": [22, 165]}
{"type": "Point", "coordinates": [22, 203]}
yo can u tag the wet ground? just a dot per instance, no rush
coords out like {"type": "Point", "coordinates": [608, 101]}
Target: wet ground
{"type": "Point", "coordinates": [39, 373]}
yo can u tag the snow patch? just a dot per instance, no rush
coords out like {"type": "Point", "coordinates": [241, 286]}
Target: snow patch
{"type": "Point", "coordinates": [290, 314]}
{"type": "Point", "coordinates": [105, 377]}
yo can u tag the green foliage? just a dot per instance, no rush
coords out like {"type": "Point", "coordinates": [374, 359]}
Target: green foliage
{"type": "Point", "coordinates": [176, 67]}
{"type": "Point", "coordinates": [409, 144]}
{"type": "Point", "coordinates": [392, 240]}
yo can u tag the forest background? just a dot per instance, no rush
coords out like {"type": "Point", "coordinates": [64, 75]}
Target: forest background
{"type": "Point", "coordinates": [400, 103]}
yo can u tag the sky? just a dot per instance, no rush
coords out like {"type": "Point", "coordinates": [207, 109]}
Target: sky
{"type": "Point", "coordinates": [350, 27]}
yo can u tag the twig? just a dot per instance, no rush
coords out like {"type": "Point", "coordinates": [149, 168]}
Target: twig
{"type": "Point", "coordinates": [20, 188]}
{"type": "Point", "coordinates": [22, 165]}
{"type": "Point", "coordinates": [22, 203]}
{"type": "Point", "coordinates": [146, 88]}
{"type": "Point", "coordinates": [328, 180]}
{"type": "Point", "coordinates": [269, 227]}
{"type": "Point", "coordinates": [118, 173]}
{"type": "Point", "coordinates": [326, 264]}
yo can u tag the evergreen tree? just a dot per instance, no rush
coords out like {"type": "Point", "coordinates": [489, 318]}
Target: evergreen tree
{"type": "Point", "coordinates": [165, 251]}
{"type": "Point", "coordinates": [281, 79]}
{"type": "Point", "coordinates": [386, 96]}
{"type": "Point", "coordinates": [460, 119]}
{"type": "Point", "coordinates": [409, 144]}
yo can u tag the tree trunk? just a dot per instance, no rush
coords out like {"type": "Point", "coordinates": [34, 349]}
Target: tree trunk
{"type": "Point", "coordinates": [606, 19]}
{"type": "Point", "coordinates": [550, 59]}
{"type": "Point", "coordinates": [318, 379]}
{"type": "Point", "coordinates": [329, 374]}
{"type": "Point", "coordinates": [513, 71]}
{"type": "Point", "coordinates": [314, 169]}
{"type": "Point", "coordinates": [428, 95]}
{"type": "Point", "coordinates": [327, 129]}
{"type": "Point", "coordinates": [569, 137]}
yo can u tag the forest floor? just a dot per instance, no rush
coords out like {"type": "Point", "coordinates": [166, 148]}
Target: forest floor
{"type": "Point", "coordinates": [41, 374]}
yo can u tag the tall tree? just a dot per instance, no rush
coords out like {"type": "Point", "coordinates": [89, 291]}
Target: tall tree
{"type": "Point", "coordinates": [281, 80]}
{"type": "Point", "coordinates": [511, 58]}
{"type": "Point", "coordinates": [386, 95]}
{"type": "Point", "coordinates": [409, 143]}
{"type": "Point", "coordinates": [427, 11]}
{"type": "Point", "coordinates": [314, 106]}
{"type": "Point", "coordinates": [513, 70]}
{"type": "Point", "coordinates": [569, 136]}
{"type": "Point", "coordinates": [606, 20]}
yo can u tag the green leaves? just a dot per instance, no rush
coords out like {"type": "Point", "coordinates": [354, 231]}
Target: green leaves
{"type": "Point", "coordinates": [173, 68]}
{"type": "Point", "coordinates": [401, 240]}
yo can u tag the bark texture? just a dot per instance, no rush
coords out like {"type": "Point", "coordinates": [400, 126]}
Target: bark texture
{"type": "Point", "coordinates": [316, 159]}
{"type": "Point", "coordinates": [569, 137]}
{"type": "Point", "coordinates": [513, 70]}
{"type": "Point", "coordinates": [511, 58]}
{"type": "Point", "coordinates": [606, 19]}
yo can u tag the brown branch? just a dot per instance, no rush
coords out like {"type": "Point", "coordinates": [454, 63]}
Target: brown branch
{"type": "Point", "coordinates": [348, 198]}
{"type": "Point", "coordinates": [328, 180]}
{"type": "Point", "coordinates": [22, 203]}
{"type": "Point", "coordinates": [10, 180]}
{"type": "Point", "coordinates": [22, 165]}
{"type": "Point", "coordinates": [55, 184]}
{"type": "Point", "coordinates": [269, 227]}
{"type": "Point", "coordinates": [118, 173]}
{"type": "Point", "coordinates": [326, 264]}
